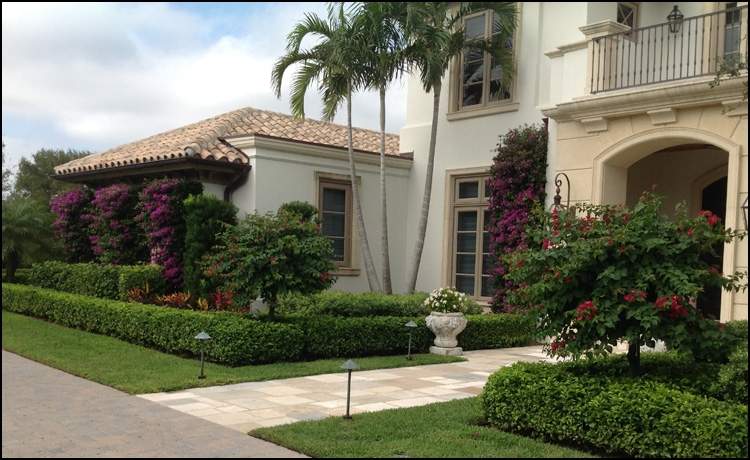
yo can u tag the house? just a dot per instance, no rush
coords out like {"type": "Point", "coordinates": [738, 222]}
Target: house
{"type": "Point", "coordinates": [624, 88]}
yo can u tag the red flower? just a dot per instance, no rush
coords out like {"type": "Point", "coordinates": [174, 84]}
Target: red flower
{"type": "Point", "coordinates": [629, 297]}
{"type": "Point", "coordinates": [546, 244]}
{"type": "Point", "coordinates": [690, 232]}
{"type": "Point", "coordinates": [661, 302]}
{"type": "Point", "coordinates": [586, 311]}
{"type": "Point", "coordinates": [713, 220]}
{"type": "Point", "coordinates": [556, 345]}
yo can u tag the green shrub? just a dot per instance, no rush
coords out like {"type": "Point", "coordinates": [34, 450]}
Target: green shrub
{"type": "Point", "coordinates": [97, 280]}
{"type": "Point", "coordinates": [303, 209]}
{"type": "Point", "coordinates": [20, 277]}
{"type": "Point", "coordinates": [205, 218]}
{"type": "Point", "coordinates": [235, 340]}
{"type": "Point", "coordinates": [596, 404]}
{"type": "Point", "coordinates": [732, 379]}
{"type": "Point", "coordinates": [348, 304]}
{"type": "Point", "coordinates": [499, 330]}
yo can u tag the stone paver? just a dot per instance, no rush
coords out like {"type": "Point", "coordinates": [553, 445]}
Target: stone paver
{"type": "Point", "coordinates": [277, 402]}
{"type": "Point", "coordinates": [48, 413]}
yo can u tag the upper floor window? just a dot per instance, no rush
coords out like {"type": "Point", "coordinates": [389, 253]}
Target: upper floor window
{"type": "Point", "coordinates": [627, 14]}
{"type": "Point", "coordinates": [480, 73]}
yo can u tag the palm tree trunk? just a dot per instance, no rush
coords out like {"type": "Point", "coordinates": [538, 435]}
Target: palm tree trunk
{"type": "Point", "coordinates": [372, 276]}
{"type": "Point", "coordinates": [387, 288]}
{"type": "Point", "coordinates": [422, 229]}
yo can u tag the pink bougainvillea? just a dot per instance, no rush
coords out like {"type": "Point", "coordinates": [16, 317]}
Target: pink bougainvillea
{"type": "Point", "coordinates": [114, 235]}
{"type": "Point", "coordinates": [71, 224]}
{"type": "Point", "coordinates": [517, 182]}
{"type": "Point", "coordinates": [161, 218]}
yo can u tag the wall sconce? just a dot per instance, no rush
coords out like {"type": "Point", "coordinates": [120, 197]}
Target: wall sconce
{"type": "Point", "coordinates": [675, 20]}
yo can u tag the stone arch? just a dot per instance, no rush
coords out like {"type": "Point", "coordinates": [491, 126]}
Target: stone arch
{"type": "Point", "coordinates": [611, 168]}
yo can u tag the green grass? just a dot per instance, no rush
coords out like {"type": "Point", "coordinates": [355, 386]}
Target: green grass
{"type": "Point", "coordinates": [450, 429]}
{"type": "Point", "coordinates": [135, 369]}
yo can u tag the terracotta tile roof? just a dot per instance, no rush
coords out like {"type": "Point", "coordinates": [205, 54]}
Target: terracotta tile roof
{"type": "Point", "coordinates": [210, 139]}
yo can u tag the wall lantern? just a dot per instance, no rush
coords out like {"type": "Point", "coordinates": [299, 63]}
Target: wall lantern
{"type": "Point", "coordinates": [557, 199]}
{"type": "Point", "coordinates": [744, 212]}
{"type": "Point", "coordinates": [411, 325]}
{"type": "Point", "coordinates": [349, 366]}
{"type": "Point", "coordinates": [675, 20]}
{"type": "Point", "coordinates": [202, 338]}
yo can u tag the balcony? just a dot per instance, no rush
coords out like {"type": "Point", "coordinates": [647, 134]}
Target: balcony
{"type": "Point", "coordinates": [677, 50]}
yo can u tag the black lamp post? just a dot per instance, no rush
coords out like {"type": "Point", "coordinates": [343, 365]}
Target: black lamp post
{"type": "Point", "coordinates": [349, 366]}
{"type": "Point", "coordinates": [675, 20]}
{"type": "Point", "coordinates": [202, 337]}
{"type": "Point", "coordinates": [744, 212]}
{"type": "Point", "coordinates": [411, 325]}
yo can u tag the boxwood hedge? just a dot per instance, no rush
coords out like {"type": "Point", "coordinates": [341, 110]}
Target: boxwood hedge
{"type": "Point", "coordinates": [240, 339]}
{"type": "Point", "coordinates": [235, 340]}
{"type": "Point", "coordinates": [98, 280]}
{"type": "Point", "coordinates": [595, 405]}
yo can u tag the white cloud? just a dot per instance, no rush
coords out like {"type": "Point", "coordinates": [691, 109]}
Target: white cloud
{"type": "Point", "coordinates": [105, 74]}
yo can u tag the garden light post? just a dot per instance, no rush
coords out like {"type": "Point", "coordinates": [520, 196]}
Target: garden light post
{"type": "Point", "coordinates": [202, 338]}
{"type": "Point", "coordinates": [411, 325]}
{"type": "Point", "coordinates": [349, 366]}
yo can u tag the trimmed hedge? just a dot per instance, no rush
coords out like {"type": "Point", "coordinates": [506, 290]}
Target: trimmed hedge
{"type": "Point", "coordinates": [235, 340]}
{"type": "Point", "coordinates": [22, 276]}
{"type": "Point", "coordinates": [602, 409]}
{"type": "Point", "coordinates": [97, 280]}
{"type": "Point", "coordinates": [498, 330]}
{"type": "Point", "coordinates": [364, 304]}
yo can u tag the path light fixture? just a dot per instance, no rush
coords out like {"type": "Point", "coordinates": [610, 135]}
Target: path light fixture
{"type": "Point", "coordinates": [744, 212]}
{"type": "Point", "coordinates": [202, 338]}
{"type": "Point", "coordinates": [675, 20]}
{"type": "Point", "coordinates": [349, 366]}
{"type": "Point", "coordinates": [411, 325]}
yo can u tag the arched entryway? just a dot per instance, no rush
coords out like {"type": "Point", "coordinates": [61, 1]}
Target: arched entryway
{"type": "Point", "coordinates": [683, 165]}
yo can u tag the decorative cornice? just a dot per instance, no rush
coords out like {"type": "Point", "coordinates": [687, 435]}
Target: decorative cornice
{"type": "Point", "coordinates": [633, 101]}
{"type": "Point", "coordinates": [601, 28]}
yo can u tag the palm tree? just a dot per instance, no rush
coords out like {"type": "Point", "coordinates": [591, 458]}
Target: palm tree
{"type": "Point", "coordinates": [384, 57]}
{"type": "Point", "coordinates": [26, 232]}
{"type": "Point", "coordinates": [435, 35]}
{"type": "Point", "coordinates": [334, 62]}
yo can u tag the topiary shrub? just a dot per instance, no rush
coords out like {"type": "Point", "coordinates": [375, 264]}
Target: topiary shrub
{"type": "Point", "coordinates": [270, 255]}
{"type": "Point", "coordinates": [517, 181]}
{"type": "Point", "coordinates": [162, 218]}
{"type": "Point", "coordinates": [303, 209]}
{"type": "Point", "coordinates": [71, 224]}
{"type": "Point", "coordinates": [612, 412]}
{"type": "Point", "coordinates": [599, 274]}
{"type": "Point", "coordinates": [205, 218]}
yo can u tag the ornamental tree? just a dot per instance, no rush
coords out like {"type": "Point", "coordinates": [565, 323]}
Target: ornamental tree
{"type": "Point", "coordinates": [269, 255]}
{"type": "Point", "coordinates": [594, 275]}
{"type": "Point", "coordinates": [71, 225]}
{"type": "Point", "coordinates": [517, 181]}
{"type": "Point", "coordinates": [161, 217]}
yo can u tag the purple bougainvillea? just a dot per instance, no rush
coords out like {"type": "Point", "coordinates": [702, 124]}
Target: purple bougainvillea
{"type": "Point", "coordinates": [114, 234]}
{"type": "Point", "coordinates": [71, 224]}
{"type": "Point", "coordinates": [162, 219]}
{"type": "Point", "coordinates": [517, 182]}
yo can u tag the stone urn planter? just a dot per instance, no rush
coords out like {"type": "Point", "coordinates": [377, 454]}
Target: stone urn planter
{"type": "Point", "coordinates": [446, 327]}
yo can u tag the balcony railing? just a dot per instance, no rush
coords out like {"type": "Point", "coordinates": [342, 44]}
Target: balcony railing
{"type": "Point", "coordinates": [688, 48]}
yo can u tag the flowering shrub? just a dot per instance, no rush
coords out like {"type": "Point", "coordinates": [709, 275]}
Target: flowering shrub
{"type": "Point", "coordinates": [175, 300]}
{"type": "Point", "coordinates": [517, 181]}
{"type": "Point", "coordinates": [269, 255]}
{"type": "Point", "coordinates": [446, 300]}
{"type": "Point", "coordinates": [600, 274]}
{"type": "Point", "coordinates": [115, 237]}
{"type": "Point", "coordinates": [162, 219]}
{"type": "Point", "coordinates": [71, 226]}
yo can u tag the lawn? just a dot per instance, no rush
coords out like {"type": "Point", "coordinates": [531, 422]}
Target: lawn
{"type": "Point", "coordinates": [450, 429]}
{"type": "Point", "coordinates": [135, 369]}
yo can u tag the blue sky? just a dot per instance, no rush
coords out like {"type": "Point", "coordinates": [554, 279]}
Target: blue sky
{"type": "Point", "coordinates": [93, 76]}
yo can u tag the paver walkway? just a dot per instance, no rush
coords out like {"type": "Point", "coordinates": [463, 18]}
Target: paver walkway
{"type": "Point", "coordinates": [48, 413]}
{"type": "Point", "coordinates": [246, 406]}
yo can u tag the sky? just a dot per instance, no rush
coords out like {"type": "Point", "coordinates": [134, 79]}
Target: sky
{"type": "Point", "coordinates": [94, 76]}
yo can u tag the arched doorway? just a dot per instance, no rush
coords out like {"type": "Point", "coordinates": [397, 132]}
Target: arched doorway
{"type": "Point", "coordinates": [684, 165]}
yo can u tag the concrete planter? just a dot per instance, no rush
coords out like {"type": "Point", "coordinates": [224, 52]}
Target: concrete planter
{"type": "Point", "coordinates": [446, 327]}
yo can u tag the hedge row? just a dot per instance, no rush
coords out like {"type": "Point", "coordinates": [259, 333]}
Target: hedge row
{"type": "Point", "coordinates": [644, 417]}
{"type": "Point", "coordinates": [235, 340]}
{"type": "Point", "coordinates": [21, 277]}
{"type": "Point", "coordinates": [97, 280]}
{"type": "Point", "coordinates": [241, 340]}
{"type": "Point", "coordinates": [364, 304]}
